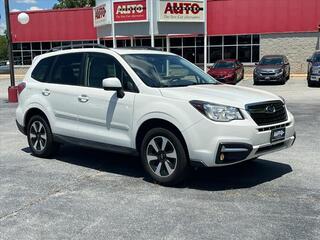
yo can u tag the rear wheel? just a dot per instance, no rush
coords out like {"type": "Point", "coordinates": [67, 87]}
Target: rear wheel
{"type": "Point", "coordinates": [163, 157]}
{"type": "Point", "coordinates": [40, 137]}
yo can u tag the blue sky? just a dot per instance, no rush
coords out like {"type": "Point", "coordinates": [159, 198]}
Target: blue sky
{"type": "Point", "coordinates": [23, 5]}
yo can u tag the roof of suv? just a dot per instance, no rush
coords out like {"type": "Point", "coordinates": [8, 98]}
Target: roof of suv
{"type": "Point", "coordinates": [120, 51]}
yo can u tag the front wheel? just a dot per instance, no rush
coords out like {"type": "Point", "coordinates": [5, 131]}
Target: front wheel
{"type": "Point", "coordinates": [163, 157]}
{"type": "Point", "coordinates": [40, 137]}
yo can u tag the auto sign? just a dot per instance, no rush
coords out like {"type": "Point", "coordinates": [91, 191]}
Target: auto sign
{"type": "Point", "coordinates": [130, 11]}
{"type": "Point", "coordinates": [181, 11]}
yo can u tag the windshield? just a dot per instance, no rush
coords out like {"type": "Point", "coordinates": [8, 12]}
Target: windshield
{"type": "Point", "coordinates": [223, 64]}
{"type": "Point", "coordinates": [316, 58]}
{"type": "Point", "coordinates": [157, 70]}
{"type": "Point", "coordinates": [271, 61]}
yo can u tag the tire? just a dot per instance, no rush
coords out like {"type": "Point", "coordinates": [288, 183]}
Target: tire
{"type": "Point", "coordinates": [40, 137]}
{"type": "Point", "coordinates": [288, 77]}
{"type": "Point", "coordinates": [310, 84]}
{"type": "Point", "coordinates": [167, 164]}
{"type": "Point", "coordinates": [255, 82]}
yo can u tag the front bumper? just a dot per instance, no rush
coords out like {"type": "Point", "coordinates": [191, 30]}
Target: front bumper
{"type": "Point", "coordinates": [239, 140]}
{"type": "Point", "coordinates": [315, 78]}
{"type": "Point", "coordinates": [271, 77]}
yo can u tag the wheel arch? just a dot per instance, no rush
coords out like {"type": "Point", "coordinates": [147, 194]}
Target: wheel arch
{"type": "Point", "coordinates": [32, 112]}
{"type": "Point", "coordinates": [158, 123]}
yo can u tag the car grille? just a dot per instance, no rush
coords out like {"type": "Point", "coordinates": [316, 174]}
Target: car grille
{"type": "Point", "coordinates": [267, 113]}
{"type": "Point", "coordinates": [267, 73]}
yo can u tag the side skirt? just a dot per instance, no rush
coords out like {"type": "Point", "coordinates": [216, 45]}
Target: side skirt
{"type": "Point", "coordinates": [92, 144]}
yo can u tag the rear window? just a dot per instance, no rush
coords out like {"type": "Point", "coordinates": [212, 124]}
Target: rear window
{"type": "Point", "coordinates": [42, 70]}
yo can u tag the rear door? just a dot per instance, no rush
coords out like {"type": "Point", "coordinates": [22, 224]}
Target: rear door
{"type": "Point", "coordinates": [103, 117]}
{"type": "Point", "coordinates": [62, 91]}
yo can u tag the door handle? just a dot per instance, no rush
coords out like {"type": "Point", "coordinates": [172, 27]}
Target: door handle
{"type": "Point", "coordinates": [83, 98]}
{"type": "Point", "coordinates": [46, 92]}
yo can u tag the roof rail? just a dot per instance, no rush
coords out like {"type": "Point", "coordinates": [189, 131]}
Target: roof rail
{"type": "Point", "coordinates": [141, 48]}
{"type": "Point", "coordinates": [85, 45]}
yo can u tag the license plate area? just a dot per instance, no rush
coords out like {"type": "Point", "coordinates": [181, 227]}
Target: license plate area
{"type": "Point", "coordinates": [277, 135]}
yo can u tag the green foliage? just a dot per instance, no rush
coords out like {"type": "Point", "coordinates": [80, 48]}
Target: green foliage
{"type": "Point", "coordinates": [3, 48]}
{"type": "Point", "coordinates": [74, 4]}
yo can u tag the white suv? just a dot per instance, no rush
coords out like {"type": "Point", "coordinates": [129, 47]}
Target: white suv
{"type": "Point", "coordinates": [151, 103]}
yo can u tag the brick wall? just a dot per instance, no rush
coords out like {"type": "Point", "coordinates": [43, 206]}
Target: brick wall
{"type": "Point", "coordinates": [296, 46]}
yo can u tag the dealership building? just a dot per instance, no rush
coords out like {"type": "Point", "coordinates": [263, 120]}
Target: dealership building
{"type": "Point", "coordinates": [242, 29]}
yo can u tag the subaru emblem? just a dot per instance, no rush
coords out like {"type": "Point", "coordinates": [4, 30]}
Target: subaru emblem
{"type": "Point", "coordinates": [270, 109]}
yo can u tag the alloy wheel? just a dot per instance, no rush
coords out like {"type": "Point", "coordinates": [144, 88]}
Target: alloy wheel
{"type": "Point", "coordinates": [161, 156]}
{"type": "Point", "coordinates": [38, 136]}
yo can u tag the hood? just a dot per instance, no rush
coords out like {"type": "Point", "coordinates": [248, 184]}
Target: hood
{"type": "Point", "coordinates": [316, 64]}
{"type": "Point", "coordinates": [269, 67]}
{"type": "Point", "coordinates": [220, 94]}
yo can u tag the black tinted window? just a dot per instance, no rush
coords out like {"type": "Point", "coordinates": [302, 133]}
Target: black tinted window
{"type": "Point", "coordinates": [316, 57]}
{"type": "Point", "coordinates": [103, 66]}
{"type": "Point", "coordinates": [67, 69]}
{"type": "Point", "coordinates": [42, 70]}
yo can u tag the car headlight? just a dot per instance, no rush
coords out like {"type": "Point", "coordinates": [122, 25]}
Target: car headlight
{"type": "Point", "coordinates": [216, 112]}
{"type": "Point", "coordinates": [279, 70]}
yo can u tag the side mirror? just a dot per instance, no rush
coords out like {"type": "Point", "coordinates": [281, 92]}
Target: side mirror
{"type": "Point", "coordinates": [309, 60]}
{"type": "Point", "coordinates": [113, 84]}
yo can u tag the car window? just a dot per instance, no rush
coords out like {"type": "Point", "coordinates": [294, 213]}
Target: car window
{"type": "Point", "coordinates": [271, 61]}
{"type": "Point", "coordinates": [223, 64]}
{"type": "Point", "coordinates": [163, 70]}
{"type": "Point", "coordinates": [67, 69]}
{"type": "Point", "coordinates": [42, 70]}
{"type": "Point", "coordinates": [101, 66]}
{"type": "Point", "coordinates": [316, 57]}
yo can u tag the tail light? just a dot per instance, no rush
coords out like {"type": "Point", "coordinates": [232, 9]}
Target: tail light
{"type": "Point", "coordinates": [21, 87]}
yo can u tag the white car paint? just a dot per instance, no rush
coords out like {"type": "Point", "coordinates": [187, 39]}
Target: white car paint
{"type": "Point", "coordinates": [104, 118]}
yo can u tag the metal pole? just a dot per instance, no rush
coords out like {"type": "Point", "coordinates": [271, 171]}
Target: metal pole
{"type": "Point", "coordinates": [151, 24]}
{"type": "Point", "coordinates": [114, 39]}
{"type": "Point", "coordinates": [11, 62]}
{"type": "Point", "coordinates": [205, 37]}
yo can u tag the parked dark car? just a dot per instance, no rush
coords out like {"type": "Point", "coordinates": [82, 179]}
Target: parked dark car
{"type": "Point", "coordinates": [228, 71]}
{"type": "Point", "coordinates": [314, 69]}
{"type": "Point", "coordinates": [272, 68]}
{"type": "Point", "coordinates": [4, 67]}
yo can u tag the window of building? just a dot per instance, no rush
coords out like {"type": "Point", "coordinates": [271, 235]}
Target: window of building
{"type": "Point", "coordinates": [245, 48]}
{"type": "Point", "coordinates": [175, 42]}
{"type": "Point", "coordinates": [230, 40]}
{"type": "Point", "coordinates": [188, 42]}
{"type": "Point", "coordinates": [215, 41]}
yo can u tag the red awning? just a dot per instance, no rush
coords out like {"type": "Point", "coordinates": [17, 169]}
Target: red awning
{"type": "Point", "coordinates": [54, 25]}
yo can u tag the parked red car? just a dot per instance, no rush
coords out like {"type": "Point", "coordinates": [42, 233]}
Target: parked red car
{"type": "Point", "coordinates": [229, 71]}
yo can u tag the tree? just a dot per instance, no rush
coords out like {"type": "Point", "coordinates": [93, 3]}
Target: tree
{"type": "Point", "coordinates": [3, 48]}
{"type": "Point", "coordinates": [74, 4]}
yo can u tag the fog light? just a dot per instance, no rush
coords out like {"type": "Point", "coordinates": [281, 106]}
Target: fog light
{"type": "Point", "coordinates": [221, 157]}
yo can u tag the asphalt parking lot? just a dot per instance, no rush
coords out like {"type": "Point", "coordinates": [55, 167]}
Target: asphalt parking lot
{"type": "Point", "coordinates": [90, 194]}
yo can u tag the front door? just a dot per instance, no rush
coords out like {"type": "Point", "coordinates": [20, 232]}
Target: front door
{"type": "Point", "coordinates": [103, 117]}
